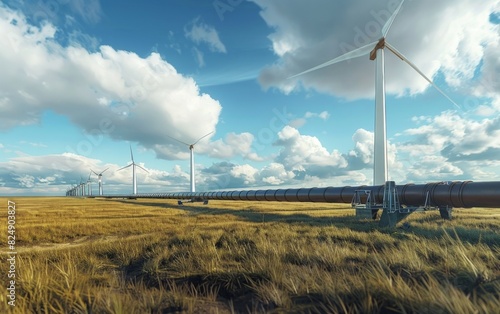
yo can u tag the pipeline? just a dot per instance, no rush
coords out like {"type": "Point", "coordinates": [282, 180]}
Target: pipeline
{"type": "Point", "coordinates": [461, 194]}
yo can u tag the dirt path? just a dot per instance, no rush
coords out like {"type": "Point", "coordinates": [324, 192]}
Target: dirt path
{"type": "Point", "coordinates": [86, 240]}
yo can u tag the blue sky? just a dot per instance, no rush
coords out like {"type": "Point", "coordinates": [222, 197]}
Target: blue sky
{"type": "Point", "coordinates": [83, 80]}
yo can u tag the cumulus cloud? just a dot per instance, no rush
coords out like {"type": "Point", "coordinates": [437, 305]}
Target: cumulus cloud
{"type": "Point", "coordinates": [276, 174]}
{"type": "Point", "coordinates": [304, 153]}
{"type": "Point", "coordinates": [451, 39]}
{"type": "Point", "coordinates": [110, 92]}
{"type": "Point", "coordinates": [457, 138]}
{"type": "Point", "coordinates": [52, 172]}
{"type": "Point", "coordinates": [362, 155]}
{"type": "Point", "coordinates": [56, 173]}
{"type": "Point", "coordinates": [220, 176]}
{"type": "Point", "coordinates": [435, 167]}
{"type": "Point", "coordinates": [232, 145]}
{"type": "Point", "coordinates": [227, 175]}
{"type": "Point", "coordinates": [245, 172]}
{"type": "Point", "coordinates": [451, 144]}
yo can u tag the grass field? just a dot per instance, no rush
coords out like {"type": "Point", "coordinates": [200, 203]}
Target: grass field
{"type": "Point", "coordinates": [152, 256]}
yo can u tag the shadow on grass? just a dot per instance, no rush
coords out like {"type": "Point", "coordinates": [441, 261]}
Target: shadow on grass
{"type": "Point", "coordinates": [252, 215]}
{"type": "Point", "coordinates": [470, 234]}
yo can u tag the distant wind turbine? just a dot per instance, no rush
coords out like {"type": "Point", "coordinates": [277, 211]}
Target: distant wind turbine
{"type": "Point", "coordinates": [134, 178]}
{"type": "Point", "coordinates": [99, 179]}
{"type": "Point", "coordinates": [89, 185]}
{"type": "Point", "coordinates": [82, 186]}
{"type": "Point", "coordinates": [376, 51]}
{"type": "Point", "coordinates": [191, 149]}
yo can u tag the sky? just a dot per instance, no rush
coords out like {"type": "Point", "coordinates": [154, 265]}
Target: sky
{"type": "Point", "coordinates": [84, 81]}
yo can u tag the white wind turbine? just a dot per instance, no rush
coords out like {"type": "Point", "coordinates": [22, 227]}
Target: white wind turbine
{"type": "Point", "coordinates": [134, 178]}
{"type": "Point", "coordinates": [191, 149]}
{"type": "Point", "coordinates": [376, 51]}
{"type": "Point", "coordinates": [81, 187]}
{"type": "Point", "coordinates": [89, 185]}
{"type": "Point", "coordinates": [99, 179]}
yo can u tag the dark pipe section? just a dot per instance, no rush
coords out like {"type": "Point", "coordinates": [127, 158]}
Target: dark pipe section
{"type": "Point", "coordinates": [454, 194]}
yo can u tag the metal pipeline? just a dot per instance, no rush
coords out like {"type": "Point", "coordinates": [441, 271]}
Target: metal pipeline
{"type": "Point", "coordinates": [464, 194]}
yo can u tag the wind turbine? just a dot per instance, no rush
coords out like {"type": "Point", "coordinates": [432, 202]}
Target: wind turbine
{"type": "Point", "coordinates": [376, 51]}
{"type": "Point", "coordinates": [133, 165]}
{"type": "Point", "coordinates": [191, 149]}
{"type": "Point", "coordinates": [89, 185]}
{"type": "Point", "coordinates": [81, 186]}
{"type": "Point", "coordinates": [99, 179]}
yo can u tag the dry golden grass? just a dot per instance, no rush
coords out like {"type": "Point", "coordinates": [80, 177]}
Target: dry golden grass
{"type": "Point", "coordinates": [152, 256]}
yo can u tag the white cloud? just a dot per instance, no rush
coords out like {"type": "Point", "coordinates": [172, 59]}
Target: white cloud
{"type": "Point", "coordinates": [306, 153]}
{"type": "Point", "coordinates": [324, 115]}
{"type": "Point", "coordinates": [299, 122]}
{"type": "Point", "coordinates": [199, 57]}
{"type": "Point", "coordinates": [458, 136]}
{"type": "Point", "coordinates": [452, 37]}
{"type": "Point", "coordinates": [362, 154]}
{"type": "Point", "coordinates": [233, 145]}
{"type": "Point", "coordinates": [435, 167]}
{"type": "Point", "coordinates": [26, 181]}
{"type": "Point", "coordinates": [58, 171]}
{"type": "Point", "coordinates": [110, 92]}
{"type": "Point", "coordinates": [246, 172]}
{"type": "Point", "coordinates": [275, 174]}
{"type": "Point", "coordinates": [54, 174]}
{"type": "Point", "coordinates": [464, 148]}
{"type": "Point", "coordinates": [489, 83]}
{"type": "Point", "coordinates": [200, 32]}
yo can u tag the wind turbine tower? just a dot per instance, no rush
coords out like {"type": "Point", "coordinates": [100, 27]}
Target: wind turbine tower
{"type": "Point", "coordinates": [191, 150]}
{"type": "Point", "coordinates": [376, 52]}
{"type": "Point", "coordinates": [89, 185]}
{"type": "Point", "coordinates": [81, 187]}
{"type": "Point", "coordinates": [99, 179]}
{"type": "Point", "coordinates": [134, 178]}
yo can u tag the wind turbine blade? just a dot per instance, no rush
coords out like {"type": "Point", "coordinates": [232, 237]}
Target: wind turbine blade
{"type": "Point", "coordinates": [131, 155]}
{"type": "Point", "coordinates": [203, 137]}
{"type": "Point", "coordinates": [125, 167]}
{"type": "Point", "coordinates": [141, 168]}
{"type": "Point", "coordinates": [97, 174]}
{"type": "Point", "coordinates": [389, 22]}
{"type": "Point", "coordinates": [400, 55]}
{"type": "Point", "coordinates": [178, 140]}
{"type": "Point", "coordinates": [346, 56]}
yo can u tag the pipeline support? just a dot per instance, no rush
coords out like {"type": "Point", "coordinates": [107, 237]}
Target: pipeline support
{"type": "Point", "coordinates": [400, 199]}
